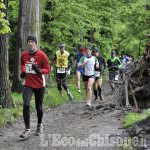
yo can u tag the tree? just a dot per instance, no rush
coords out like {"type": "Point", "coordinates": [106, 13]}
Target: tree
{"type": "Point", "coordinates": [29, 22]}
{"type": "Point", "coordinates": [4, 28]}
{"type": "Point", "coordinates": [108, 25]}
{"type": "Point", "coordinates": [5, 92]}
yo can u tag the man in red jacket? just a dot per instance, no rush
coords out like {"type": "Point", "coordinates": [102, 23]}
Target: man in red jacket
{"type": "Point", "coordinates": [34, 66]}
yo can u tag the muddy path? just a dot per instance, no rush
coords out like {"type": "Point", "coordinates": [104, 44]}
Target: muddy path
{"type": "Point", "coordinates": [71, 126]}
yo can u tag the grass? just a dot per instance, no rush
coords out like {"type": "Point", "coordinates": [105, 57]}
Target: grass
{"type": "Point", "coordinates": [52, 96]}
{"type": "Point", "coordinates": [127, 144]}
{"type": "Point", "coordinates": [132, 117]}
{"type": "Point", "coordinates": [8, 115]}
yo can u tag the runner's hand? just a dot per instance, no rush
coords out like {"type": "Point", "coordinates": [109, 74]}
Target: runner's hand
{"type": "Point", "coordinates": [36, 69]}
{"type": "Point", "coordinates": [86, 62]}
{"type": "Point", "coordinates": [22, 75]}
{"type": "Point", "coordinates": [51, 68]}
{"type": "Point", "coordinates": [68, 69]}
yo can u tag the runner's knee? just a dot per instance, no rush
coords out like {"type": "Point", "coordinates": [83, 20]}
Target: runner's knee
{"type": "Point", "coordinates": [59, 86]}
{"type": "Point", "coordinates": [26, 107]}
{"type": "Point", "coordinates": [78, 79]}
{"type": "Point", "coordinates": [88, 88]}
{"type": "Point", "coordinates": [65, 86]}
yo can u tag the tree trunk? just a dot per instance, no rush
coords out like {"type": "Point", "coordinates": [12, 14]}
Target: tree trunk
{"type": "Point", "coordinates": [91, 38]}
{"type": "Point", "coordinates": [5, 92]}
{"type": "Point", "coordinates": [29, 22]}
{"type": "Point", "coordinates": [47, 20]}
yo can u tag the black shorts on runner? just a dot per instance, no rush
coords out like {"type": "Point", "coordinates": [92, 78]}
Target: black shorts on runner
{"type": "Point", "coordinates": [61, 77]}
{"type": "Point", "coordinates": [98, 78]}
{"type": "Point", "coordinates": [86, 78]}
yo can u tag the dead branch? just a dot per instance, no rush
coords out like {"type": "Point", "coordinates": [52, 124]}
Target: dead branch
{"type": "Point", "coordinates": [134, 99]}
{"type": "Point", "coordinates": [126, 92]}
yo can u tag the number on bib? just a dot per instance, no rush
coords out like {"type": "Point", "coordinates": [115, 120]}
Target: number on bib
{"type": "Point", "coordinates": [60, 70]}
{"type": "Point", "coordinates": [29, 69]}
{"type": "Point", "coordinates": [97, 73]}
{"type": "Point", "coordinates": [116, 77]}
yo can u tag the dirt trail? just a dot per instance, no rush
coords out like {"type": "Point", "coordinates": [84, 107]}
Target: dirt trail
{"type": "Point", "coordinates": [71, 126]}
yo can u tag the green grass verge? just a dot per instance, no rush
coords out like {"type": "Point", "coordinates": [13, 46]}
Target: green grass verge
{"type": "Point", "coordinates": [52, 96]}
{"type": "Point", "coordinates": [9, 115]}
{"type": "Point", "coordinates": [132, 117]}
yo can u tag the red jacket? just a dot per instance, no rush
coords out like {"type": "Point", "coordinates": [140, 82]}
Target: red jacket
{"type": "Point", "coordinates": [32, 79]}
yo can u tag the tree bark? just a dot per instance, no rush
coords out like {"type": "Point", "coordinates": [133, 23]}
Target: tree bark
{"type": "Point", "coordinates": [29, 22]}
{"type": "Point", "coordinates": [6, 100]}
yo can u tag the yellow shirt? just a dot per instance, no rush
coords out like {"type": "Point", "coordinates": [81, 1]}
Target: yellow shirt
{"type": "Point", "coordinates": [62, 59]}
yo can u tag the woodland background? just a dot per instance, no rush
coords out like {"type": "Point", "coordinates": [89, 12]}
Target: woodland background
{"type": "Point", "coordinates": [106, 24]}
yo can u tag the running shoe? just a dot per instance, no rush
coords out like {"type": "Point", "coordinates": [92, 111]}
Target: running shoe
{"type": "Point", "coordinates": [79, 90]}
{"type": "Point", "coordinates": [101, 97]}
{"type": "Point", "coordinates": [39, 130]}
{"type": "Point", "coordinates": [70, 96]}
{"type": "Point", "coordinates": [25, 134]}
{"type": "Point", "coordinates": [88, 104]}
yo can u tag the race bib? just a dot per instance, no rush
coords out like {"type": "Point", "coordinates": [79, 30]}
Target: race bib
{"type": "Point", "coordinates": [97, 73]}
{"type": "Point", "coordinates": [60, 70]}
{"type": "Point", "coordinates": [29, 69]}
{"type": "Point", "coordinates": [116, 78]}
{"type": "Point", "coordinates": [88, 71]}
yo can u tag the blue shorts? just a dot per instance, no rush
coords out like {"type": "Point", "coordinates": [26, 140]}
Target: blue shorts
{"type": "Point", "coordinates": [80, 70]}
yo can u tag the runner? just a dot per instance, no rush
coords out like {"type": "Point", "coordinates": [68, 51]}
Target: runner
{"type": "Point", "coordinates": [88, 62]}
{"type": "Point", "coordinates": [62, 69]}
{"type": "Point", "coordinates": [98, 74]}
{"type": "Point", "coordinates": [79, 72]}
{"type": "Point", "coordinates": [34, 66]}
{"type": "Point", "coordinates": [123, 67]}
{"type": "Point", "coordinates": [114, 64]}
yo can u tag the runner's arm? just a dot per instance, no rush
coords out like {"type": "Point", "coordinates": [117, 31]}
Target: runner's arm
{"type": "Point", "coordinates": [82, 63]}
{"type": "Point", "coordinates": [119, 63]}
{"type": "Point", "coordinates": [74, 63]}
{"type": "Point", "coordinates": [46, 67]}
{"type": "Point", "coordinates": [104, 62]}
{"type": "Point", "coordinates": [23, 68]}
{"type": "Point", "coordinates": [96, 62]}
{"type": "Point", "coordinates": [75, 60]}
{"type": "Point", "coordinates": [54, 59]}
{"type": "Point", "coordinates": [71, 61]}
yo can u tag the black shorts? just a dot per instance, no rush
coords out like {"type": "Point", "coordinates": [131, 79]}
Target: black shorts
{"type": "Point", "coordinates": [86, 78]}
{"type": "Point", "coordinates": [98, 78]}
{"type": "Point", "coordinates": [61, 77]}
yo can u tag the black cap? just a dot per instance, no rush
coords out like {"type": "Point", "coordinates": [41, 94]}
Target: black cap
{"type": "Point", "coordinates": [113, 52]}
{"type": "Point", "coordinates": [61, 45]}
{"type": "Point", "coordinates": [96, 50]}
{"type": "Point", "coordinates": [33, 38]}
